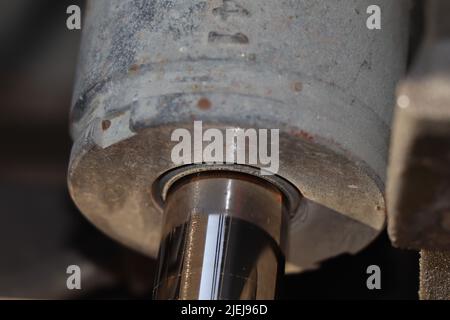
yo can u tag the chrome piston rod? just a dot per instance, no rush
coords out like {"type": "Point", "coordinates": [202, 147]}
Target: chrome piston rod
{"type": "Point", "coordinates": [222, 239]}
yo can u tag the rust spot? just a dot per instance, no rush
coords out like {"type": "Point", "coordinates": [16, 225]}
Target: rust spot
{"type": "Point", "coordinates": [134, 68]}
{"type": "Point", "coordinates": [106, 124]}
{"type": "Point", "coordinates": [204, 104]}
{"type": "Point", "coordinates": [304, 135]}
{"type": "Point", "coordinates": [279, 198]}
{"type": "Point", "coordinates": [297, 86]}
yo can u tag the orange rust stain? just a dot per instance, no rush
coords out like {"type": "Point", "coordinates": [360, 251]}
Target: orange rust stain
{"type": "Point", "coordinates": [106, 124]}
{"type": "Point", "coordinates": [304, 135]}
{"type": "Point", "coordinates": [297, 86]}
{"type": "Point", "coordinates": [204, 104]}
{"type": "Point", "coordinates": [134, 68]}
{"type": "Point", "coordinates": [279, 199]}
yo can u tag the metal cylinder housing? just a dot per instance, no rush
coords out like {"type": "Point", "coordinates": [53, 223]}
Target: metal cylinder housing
{"type": "Point", "coordinates": [309, 68]}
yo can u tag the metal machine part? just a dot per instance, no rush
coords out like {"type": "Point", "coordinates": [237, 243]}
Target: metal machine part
{"type": "Point", "coordinates": [309, 68]}
{"type": "Point", "coordinates": [222, 238]}
{"type": "Point", "coordinates": [434, 275]}
{"type": "Point", "coordinates": [419, 172]}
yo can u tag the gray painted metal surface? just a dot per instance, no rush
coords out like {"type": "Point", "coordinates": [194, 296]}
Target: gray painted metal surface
{"type": "Point", "coordinates": [309, 68]}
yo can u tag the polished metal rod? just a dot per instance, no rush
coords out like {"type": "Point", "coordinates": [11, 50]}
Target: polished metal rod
{"type": "Point", "coordinates": [222, 239]}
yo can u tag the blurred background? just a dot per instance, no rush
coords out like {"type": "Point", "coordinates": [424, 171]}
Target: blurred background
{"type": "Point", "coordinates": [41, 231]}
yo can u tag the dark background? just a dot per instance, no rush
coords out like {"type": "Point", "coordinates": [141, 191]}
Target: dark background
{"type": "Point", "coordinates": [41, 231]}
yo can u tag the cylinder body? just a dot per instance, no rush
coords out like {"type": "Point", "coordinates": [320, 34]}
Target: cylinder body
{"type": "Point", "coordinates": [308, 68]}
